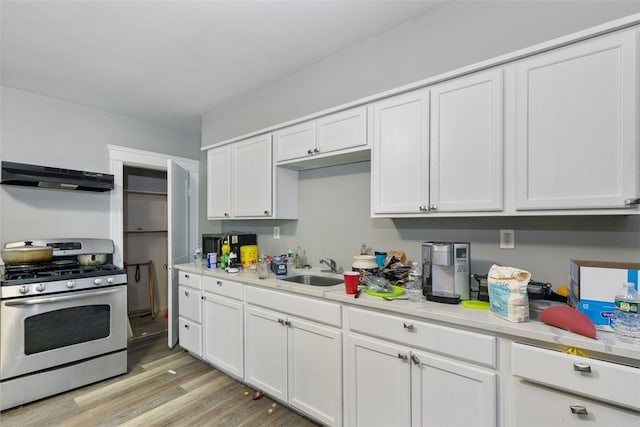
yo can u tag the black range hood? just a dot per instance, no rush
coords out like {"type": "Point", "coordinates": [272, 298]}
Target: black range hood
{"type": "Point", "coordinates": [57, 178]}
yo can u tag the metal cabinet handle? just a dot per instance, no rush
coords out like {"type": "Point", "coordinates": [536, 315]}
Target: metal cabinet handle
{"type": "Point", "coordinates": [186, 276]}
{"type": "Point", "coordinates": [415, 359]}
{"type": "Point", "coordinates": [226, 214]}
{"type": "Point", "coordinates": [186, 326]}
{"type": "Point", "coordinates": [186, 293]}
{"type": "Point", "coordinates": [408, 325]}
{"type": "Point", "coordinates": [315, 150]}
{"type": "Point", "coordinates": [422, 208]}
{"type": "Point", "coordinates": [219, 283]}
{"type": "Point", "coordinates": [578, 410]}
{"type": "Point", "coordinates": [403, 356]}
{"type": "Point", "coordinates": [266, 212]}
{"type": "Point", "coordinates": [287, 323]}
{"type": "Point", "coordinates": [581, 367]}
{"type": "Point", "coordinates": [281, 321]}
{"type": "Point", "coordinates": [433, 207]}
{"type": "Point", "coordinates": [629, 202]}
{"type": "Point", "coordinates": [309, 151]}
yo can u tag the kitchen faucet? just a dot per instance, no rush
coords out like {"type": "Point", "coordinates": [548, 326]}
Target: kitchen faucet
{"type": "Point", "coordinates": [332, 266]}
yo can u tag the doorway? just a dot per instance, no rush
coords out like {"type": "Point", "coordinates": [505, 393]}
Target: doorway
{"type": "Point", "coordinates": [145, 248]}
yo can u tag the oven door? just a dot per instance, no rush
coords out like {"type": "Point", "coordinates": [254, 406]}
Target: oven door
{"type": "Point", "coordinates": [49, 330]}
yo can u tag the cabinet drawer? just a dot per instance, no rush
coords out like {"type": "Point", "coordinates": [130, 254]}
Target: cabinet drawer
{"type": "Point", "coordinates": [305, 307]}
{"type": "Point", "coordinates": [222, 287]}
{"type": "Point", "coordinates": [611, 382]}
{"type": "Point", "coordinates": [190, 336]}
{"type": "Point", "coordinates": [190, 304]}
{"type": "Point", "coordinates": [465, 345]}
{"type": "Point", "coordinates": [189, 279]}
{"type": "Point", "coordinates": [536, 406]}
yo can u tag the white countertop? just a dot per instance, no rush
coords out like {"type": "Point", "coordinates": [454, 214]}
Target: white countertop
{"type": "Point", "coordinates": [481, 320]}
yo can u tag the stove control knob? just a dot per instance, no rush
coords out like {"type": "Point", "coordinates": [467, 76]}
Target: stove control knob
{"type": "Point", "coordinates": [40, 287]}
{"type": "Point", "coordinates": [97, 281]}
{"type": "Point", "coordinates": [24, 289]}
{"type": "Point", "coordinates": [111, 280]}
{"type": "Point", "coordinates": [71, 284]}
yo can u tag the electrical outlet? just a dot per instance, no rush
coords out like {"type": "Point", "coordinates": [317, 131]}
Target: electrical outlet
{"type": "Point", "coordinates": [507, 239]}
{"type": "Point", "coordinates": [276, 233]}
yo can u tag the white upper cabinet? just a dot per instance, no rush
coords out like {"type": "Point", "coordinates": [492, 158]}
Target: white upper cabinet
{"type": "Point", "coordinates": [333, 139]}
{"type": "Point", "coordinates": [466, 144]}
{"type": "Point", "coordinates": [400, 154]}
{"type": "Point", "coordinates": [244, 184]}
{"type": "Point", "coordinates": [252, 179]}
{"type": "Point", "coordinates": [218, 185]}
{"type": "Point", "coordinates": [577, 136]}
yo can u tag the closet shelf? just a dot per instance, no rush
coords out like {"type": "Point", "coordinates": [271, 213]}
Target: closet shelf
{"type": "Point", "coordinates": [145, 231]}
{"type": "Point", "coordinates": [150, 193]}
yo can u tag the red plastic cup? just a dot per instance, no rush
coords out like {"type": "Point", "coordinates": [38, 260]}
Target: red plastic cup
{"type": "Point", "coordinates": [351, 279]}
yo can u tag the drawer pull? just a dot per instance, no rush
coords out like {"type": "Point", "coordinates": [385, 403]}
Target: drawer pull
{"type": "Point", "coordinates": [403, 356]}
{"type": "Point", "coordinates": [578, 410]}
{"type": "Point", "coordinates": [186, 293]}
{"type": "Point", "coordinates": [408, 325]}
{"type": "Point", "coordinates": [219, 283]}
{"type": "Point", "coordinates": [186, 276]}
{"type": "Point", "coordinates": [415, 359]}
{"type": "Point", "coordinates": [582, 367]}
{"type": "Point", "coordinates": [287, 323]}
{"type": "Point", "coordinates": [281, 321]}
{"type": "Point", "coordinates": [186, 326]}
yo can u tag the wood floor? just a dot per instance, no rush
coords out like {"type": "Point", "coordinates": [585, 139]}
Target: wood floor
{"type": "Point", "coordinates": [163, 387]}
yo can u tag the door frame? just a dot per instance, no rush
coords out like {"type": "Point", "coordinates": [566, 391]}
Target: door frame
{"type": "Point", "coordinates": [119, 157]}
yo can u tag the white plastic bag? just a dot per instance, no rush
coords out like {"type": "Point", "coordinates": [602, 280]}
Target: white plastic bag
{"type": "Point", "coordinates": [508, 296]}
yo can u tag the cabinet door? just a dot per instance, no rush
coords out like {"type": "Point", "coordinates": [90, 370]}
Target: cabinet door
{"type": "Point", "coordinates": [266, 351]}
{"type": "Point", "coordinates": [400, 165]}
{"type": "Point", "coordinates": [296, 141]}
{"type": "Point", "coordinates": [218, 186]}
{"type": "Point", "coordinates": [449, 393]}
{"type": "Point", "coordinates": [577, 126]}
{"type": "Point", "coordinates": [532, 405]}
{"type": "Point", "coordinates": [379, 383]}
{"type": "Point", "coordinates": [343, 130]}
{"type": "Point", "coordinates": [252, 177]}
{"type": "Point", "coordinates": [315, 370]}
{"type": "Point", "coordinates": [467, 144]}
{"type": "Point", "coordinates": [223, 334]}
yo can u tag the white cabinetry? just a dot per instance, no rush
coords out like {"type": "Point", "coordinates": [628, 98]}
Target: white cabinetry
{"type": "Point", "coordinates": [223, 325]}
{"type": "Point", "coordinates": [190, 312]}
{"type": "Point", "coordinates": [577, 126]}
{"type": "Point", "coordinates": [573, 390]}
{"type": "Point", "coordinates": [421, 370]}
{"type": "Point", "coordinates": [466, 144]}
{"type": "Point", "coordinates": [440, 149]}
{"type": "Point", "coordinates": [400, 154]}
{"type": "Point", "coordinates": [294, 351]}
{"type": "Point", "coordinates": [243, 183]}
{"type": "Point", "coordinates": [333, 139]}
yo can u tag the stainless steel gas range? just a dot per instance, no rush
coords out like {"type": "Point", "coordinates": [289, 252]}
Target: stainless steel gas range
{"type": "Point", "coordinates": [62, 324]}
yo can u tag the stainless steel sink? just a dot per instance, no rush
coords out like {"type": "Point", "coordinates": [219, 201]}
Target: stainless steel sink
{"type": "Point", "coordinates": [309, 279]}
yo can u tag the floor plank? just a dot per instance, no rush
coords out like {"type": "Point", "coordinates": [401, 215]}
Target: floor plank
{"type": "Point", "coordinates": [163, 387]}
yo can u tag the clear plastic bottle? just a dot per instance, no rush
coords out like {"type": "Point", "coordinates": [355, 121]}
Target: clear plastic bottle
{"type": "Point", "coordinates": [627, 318]}
{"type": "Point", "coordinates": [197, 256]}
{"type": "Point", "coordinates": [413, 285]}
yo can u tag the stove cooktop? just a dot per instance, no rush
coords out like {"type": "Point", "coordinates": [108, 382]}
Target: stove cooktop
{"type": "Point", "coordinates": [55, 270]}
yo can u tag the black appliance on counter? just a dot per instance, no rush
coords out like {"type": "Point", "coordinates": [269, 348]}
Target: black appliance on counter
{"type": "Point", "coordinates": [213, 242]}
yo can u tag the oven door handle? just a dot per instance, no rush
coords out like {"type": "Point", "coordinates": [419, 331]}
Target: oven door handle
{"type": "Point", "coordinates": [62, 298]}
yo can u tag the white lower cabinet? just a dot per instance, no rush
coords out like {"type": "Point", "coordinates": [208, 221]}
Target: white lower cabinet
{"type": "Point", "coordinates": [400, 380]}
{"type": "Point", "coordinates": [295, 360]}
{"type": "Point", "coordinates": [573, 390]}
{"type": "Point", "coordinates": [224, 325]}
{"type": "Point", "coordinates": [190, 312]}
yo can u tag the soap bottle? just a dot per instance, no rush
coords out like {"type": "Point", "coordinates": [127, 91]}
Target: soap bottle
{"type": "Point", "coordinates": [224, 260]}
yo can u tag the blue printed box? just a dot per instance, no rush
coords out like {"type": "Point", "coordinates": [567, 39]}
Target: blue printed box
{"type": "Point", "coordinates": [594, 285]}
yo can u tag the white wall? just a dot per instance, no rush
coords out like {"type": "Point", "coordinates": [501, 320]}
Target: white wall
{"type": "Point", "coordinates": [47, 131]}
{"type": "Point", "coordinates": [334, 202]}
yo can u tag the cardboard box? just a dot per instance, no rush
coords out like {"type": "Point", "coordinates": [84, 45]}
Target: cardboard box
{"type": "Point", "coordinates": [594, 285]}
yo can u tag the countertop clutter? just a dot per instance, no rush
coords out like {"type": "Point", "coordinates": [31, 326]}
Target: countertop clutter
{"type": "Point", "coordinates": [605, 343]}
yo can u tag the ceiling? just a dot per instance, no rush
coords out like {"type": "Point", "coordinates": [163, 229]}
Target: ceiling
{"type": "Point", "coordinates": [172, 61]}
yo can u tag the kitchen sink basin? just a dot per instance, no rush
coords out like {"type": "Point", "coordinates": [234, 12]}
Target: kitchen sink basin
{"type": "Point", "coordinates": [309, 279]}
